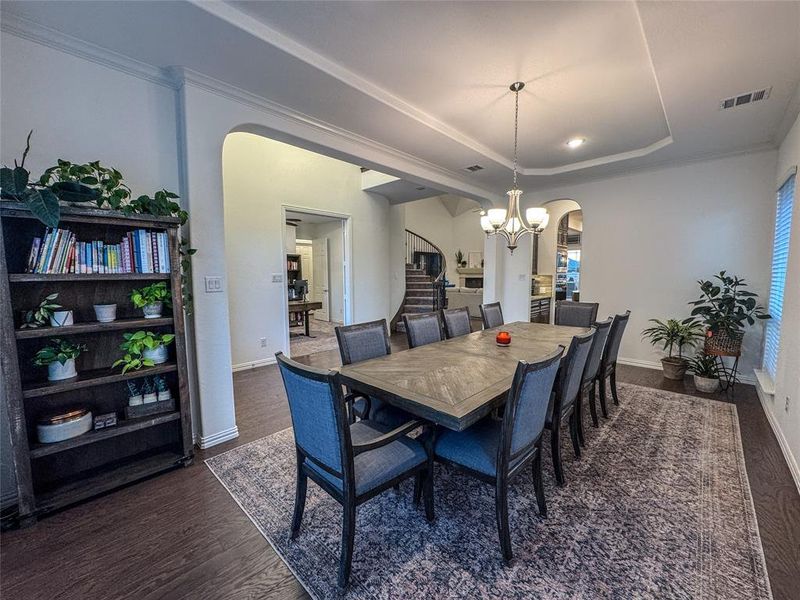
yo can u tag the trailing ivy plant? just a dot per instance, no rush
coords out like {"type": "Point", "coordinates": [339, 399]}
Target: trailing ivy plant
{"type": "Point", "coordinates": [186, 252]}
{"type": "Point", "coordinates": [40, 316]}
{"type": "Point", "coordinates": [15, 185]}
{"type": "Point", "coordinates": [90, 182]}
{"type": "Point", "coordinates": [134, 346]}
{"type": "Point", "coordinates": [162, 204]}
{"type": "Point", "coordinates": [150, 294]}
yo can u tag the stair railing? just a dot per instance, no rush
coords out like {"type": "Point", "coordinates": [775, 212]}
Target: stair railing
{"type": "Point", "coordinates": [427, 256]}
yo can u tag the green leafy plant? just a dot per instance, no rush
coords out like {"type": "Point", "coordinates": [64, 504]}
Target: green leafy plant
{"type": "Point", "coordinates": [162, 204]}
{"type": "Point", "coordinates": [90, 182]}
{"type": "Point", "coordinates": [459, 257]}
{"type": "Point", "coordinates": [58, 350]}
{"type": "Point", "coordinates": [186, 252]}
{"type": "Point", "coordinates": [157, 292]}
{"type": "Point", "coordinates": [724, 306]}
{"type": "Point", "coordinates": [133, 389]}
{"type": "Point", "coordinates": [704, 365]}
{"type": "Point", "coordinates": [135, 344]}
{"type": "Point", "coordinates": [15, 185]}
{"type": "Point", "coordinates": [674, 335]}
{"type": "Point", "coordinates": [40, 316]}
{"type": "Point", "coordinates": [160, 384]}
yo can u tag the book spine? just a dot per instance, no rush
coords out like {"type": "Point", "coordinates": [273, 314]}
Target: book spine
{"type": "Point", "coordinates": [167, 258]}
{"type": "Point", "coordinates": [95, 266]}
{"type": "Point", "coordinates": [154, 251]}
{"type": "Point", "coordinates": [51, 256]}
{"type": "Point", "coordinates": [62, 259]}
{"type": "Point", "coordinates": [34, 254]}
{"type": "Point", "coordinates": [148, 250]}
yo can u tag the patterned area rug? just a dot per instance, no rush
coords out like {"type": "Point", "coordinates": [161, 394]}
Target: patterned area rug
{"type": "Point", "coordinates": [658, 507]}
{"type": "Point", "coordinates": [324, 338]}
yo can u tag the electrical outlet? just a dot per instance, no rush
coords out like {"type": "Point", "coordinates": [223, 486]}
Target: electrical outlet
{"type": "Point", "coordinates": [263, 342]}
{"type": "Point", "coordinates": [213, 284]}
{"type": "Point", "coordinates": [277, 278]}
{"type": "Point", "coordinates": [788, 401]}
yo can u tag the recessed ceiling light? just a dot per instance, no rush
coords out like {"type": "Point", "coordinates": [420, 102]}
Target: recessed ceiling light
{"type": "Point", "coordinates": [576, 142]}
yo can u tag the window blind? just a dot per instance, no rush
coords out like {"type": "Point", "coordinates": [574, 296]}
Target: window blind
{"type": "Point", "coordinates": [780, 260]}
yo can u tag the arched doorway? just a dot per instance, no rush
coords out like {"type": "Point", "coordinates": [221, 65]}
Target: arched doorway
{"type": "Point", "coordinates": [568, 257]}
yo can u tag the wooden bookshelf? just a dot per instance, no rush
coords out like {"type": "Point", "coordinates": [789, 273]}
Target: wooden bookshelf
{"type": "Point", "coordinates": [52, 476]}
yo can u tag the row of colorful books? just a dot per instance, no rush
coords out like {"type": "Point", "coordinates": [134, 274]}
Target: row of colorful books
{"type": "Point", "coordinates": [140, 251]}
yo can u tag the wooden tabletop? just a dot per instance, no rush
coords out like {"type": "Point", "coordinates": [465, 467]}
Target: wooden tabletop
{"type": "Point", "coordinates": [456, 382]}
{"type": "Point", "coordinates": [301, 305]}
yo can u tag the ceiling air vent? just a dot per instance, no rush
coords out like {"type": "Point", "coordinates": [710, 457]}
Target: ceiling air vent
{"type": "Point", "coordinates": [473, 168]}
{"type": "Point", "coordinates": [746, 98]}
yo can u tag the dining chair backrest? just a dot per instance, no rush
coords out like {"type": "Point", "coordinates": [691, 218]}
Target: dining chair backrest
{"type": "Point", "coordinates": [576, 314]}
{"type": "Point", "coordinates": [423, 328]}
{"type": "Point", "coordinates": [526, 404]}
{"type": "Point", "coordinates": [363, 341]}
{"type": "Point", "coordinates": [492, 315]}
{"type": "Point", "coordinates": [601, 330]}
{"type": "Point", "coordinates": [615, 338]}
{"type": "Point", "coordinates": [318, 415]}
{"type": "Point", "coordinates": [456, 322]}
{"type": "Point", "coordinates": [571, 375]}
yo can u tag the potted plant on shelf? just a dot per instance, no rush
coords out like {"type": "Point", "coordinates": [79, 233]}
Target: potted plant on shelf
{"type": "Point", "coordinates": [134, 395]}
{"type": "Point", "coordinates": [162, 389]}
{"type": "Point", "coordinates": [148, 392]}
{"type": "Point", "coordinates": [724, 308]}
{"type": "Point", "coordinates": [59, 357]}
{"type": "Point", "coordinates": [674, 335]}
{"type": "Point", "coordinates": [460, 258]}
{"type": "Point", "coordinates": [151, 299]}
{"type": "Point", "coordinates": [143, 349]}
{"type": "Point", "coordinates": [42, 314]}
{"type": "Point", "coordinates": [706, 372]}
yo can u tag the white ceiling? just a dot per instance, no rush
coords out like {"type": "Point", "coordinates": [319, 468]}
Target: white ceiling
{"type": "Point", "coordinates": [309, 218]}
{"type": "Point", "coordinates": [640, 81]}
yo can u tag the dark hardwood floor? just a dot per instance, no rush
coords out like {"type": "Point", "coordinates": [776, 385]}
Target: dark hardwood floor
{"type": "Point", "coordinates": [181, 535]}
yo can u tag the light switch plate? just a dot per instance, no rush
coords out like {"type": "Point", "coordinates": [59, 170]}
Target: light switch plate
{"type": "Point", "coordinates": [213, 284]}
{"type": "Point", "coordinates": [277, 278]}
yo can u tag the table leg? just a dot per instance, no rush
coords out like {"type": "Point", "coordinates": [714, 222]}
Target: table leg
{"type": "Point", "coordinates": [305, 318]}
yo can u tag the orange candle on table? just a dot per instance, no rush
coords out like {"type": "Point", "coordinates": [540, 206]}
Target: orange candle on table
{"type": "Point", "coordinates": [503, 338]}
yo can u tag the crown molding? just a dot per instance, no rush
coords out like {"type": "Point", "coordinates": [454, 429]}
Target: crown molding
{"type": "Point", "coordinates": [441, 177]}
{"type": "Point", "coordinates": [264, 32]}
{"type": "Point", "coordinates": [32, 31]}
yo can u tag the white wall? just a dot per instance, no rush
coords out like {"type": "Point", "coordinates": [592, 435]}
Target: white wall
{"type": "Point", "coordinates": [649, 236]}
{"type": "Point", "coordinates": [333, 231]}
{"type": "Point", "coordinates": [259, 177]}
{"type": "Point", "coordinates": [787, 380]}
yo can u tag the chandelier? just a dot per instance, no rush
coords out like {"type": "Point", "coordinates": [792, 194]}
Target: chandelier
{"type": "Point", "coordinates": [508, 222]}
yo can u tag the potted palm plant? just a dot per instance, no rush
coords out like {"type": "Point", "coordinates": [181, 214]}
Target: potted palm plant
{"type": "Point", "coordinates": [724, 308]}
{"type": "Point", "coordinates": [674, 336]}
{"type": "Point", "coordinates": [706, 372]}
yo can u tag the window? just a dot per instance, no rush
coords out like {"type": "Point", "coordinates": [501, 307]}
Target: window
{"type": "Point", "coordinates": [780, 258]}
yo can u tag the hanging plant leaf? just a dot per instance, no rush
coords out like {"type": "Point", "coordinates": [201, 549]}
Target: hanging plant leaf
{"type": "Point", "coordinates": [13, 182]}
{"type": "Point", "coordinates": [44, 205]}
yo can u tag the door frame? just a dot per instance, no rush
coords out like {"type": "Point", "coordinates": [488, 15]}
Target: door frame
{"type": "Point", "coordinates": [347, 247]}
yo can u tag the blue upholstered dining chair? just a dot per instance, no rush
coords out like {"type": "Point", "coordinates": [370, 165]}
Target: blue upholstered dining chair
{"type": "Point", "coordinates": [492, 315]}
{"type": "Point", "coordinates": [423, 328]}
{"type": "Point", "coordinates": [576, 314]}
{"type": "Point", "coordinates": [590, 372]}
{"type": "Point", "coordinates": [456, 322]}
{"type": "Point", "coordinates": [351, 462]}
{"type": "Point", "coordinates": [362, 342]}
{"type": "Point", "coordinates": [608, 363]}
{"type": "Point", "coordinates": [496, 452]}
{"type": "Point", "coordinates": [563, 406]}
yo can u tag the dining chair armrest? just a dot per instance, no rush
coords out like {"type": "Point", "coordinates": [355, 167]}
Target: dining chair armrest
{"type": "Point", "coordinates": [350, 401]}
{"type": "Point", "coordinates": [388, 437]}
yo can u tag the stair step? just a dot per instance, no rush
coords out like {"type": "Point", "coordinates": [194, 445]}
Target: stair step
{"type": "Point", "coordinates": [418, 279]}
{"type": "Point", "coordinates": [418, 308]}
{"type": "Point", "coordinates": [416, 301]}
{"type": "Point", "coordinates": [419, 285]}
{"type": "Point", "coordinates": [421, 293]}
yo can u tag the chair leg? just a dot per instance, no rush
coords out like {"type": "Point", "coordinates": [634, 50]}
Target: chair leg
{"type": "Point", "coordinates": [602, 383]}
{"type": "Point", "coordinates": [348, 538]}
{"type": "Point", "coordinates": [593, 405]}
{"type": "Point", "coordinates": [579, 411]}
{"type": "Point", "coordinates": [573, 433]}
{"type": "Point", "coordinates": [417, 488]}
{"type": "Point", "coordinates": [538, 484]}
{"type": "Point", "coordinates": [555, 447]}
{"type": "Point", "coordinates": [427, 485]}
{"type": "Point", "coordinates": [501, 510]}
{"type": "Point", "coordinates": [614, 387]}
{"type": "Point", "coordinates": [299, 497]}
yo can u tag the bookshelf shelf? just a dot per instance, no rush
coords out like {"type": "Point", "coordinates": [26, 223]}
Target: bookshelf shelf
{"type": "Point", "coordinates": [52, 476]}
{"type": "Point", "coordinates": [80, 328]}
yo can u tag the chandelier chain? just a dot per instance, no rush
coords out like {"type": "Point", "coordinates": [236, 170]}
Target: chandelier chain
{"type": "Point", "coordinates": [516, 129]}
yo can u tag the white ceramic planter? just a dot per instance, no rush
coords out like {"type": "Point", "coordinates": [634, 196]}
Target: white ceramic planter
{"type": "Point", "coordinates": [706, 385]}
{"type": "Point", "coordinates": [135, 400]}
{"type": "Point", "coordinates": [49, 434]}
{"type": "Point", "coordinates": [105, 313]}
{"type": "Point", "coordinates": [157, 355]}
{"type": "Point", "coordinates": [149, 398]}
{"type": "Point", "coordinates": [61, 318]}
{"type": "Point", "coordinates": [56, 371]}
{"type": "Point", "coordinates": [153, 311]}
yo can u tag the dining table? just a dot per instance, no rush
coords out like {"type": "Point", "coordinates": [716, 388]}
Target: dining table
{"type": "Point", "coordinates": [456, 382]}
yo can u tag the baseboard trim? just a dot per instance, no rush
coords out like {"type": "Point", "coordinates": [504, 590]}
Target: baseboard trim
{"type": "Point", "coordinates": [649, 364]}
{"type": "Point", "coordinates": [254, 364]}
{"type": "Point", "coordinates": [794, 468]}
{"type": "Point", "coordinates": [218, 438]}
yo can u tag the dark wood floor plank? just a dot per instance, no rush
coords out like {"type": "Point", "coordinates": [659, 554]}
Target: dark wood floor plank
{"type": "Point", "coordinates": [182, 536]}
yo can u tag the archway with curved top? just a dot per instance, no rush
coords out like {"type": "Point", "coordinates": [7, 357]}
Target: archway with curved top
{"type": "Point", "coordinates": [559, 253]}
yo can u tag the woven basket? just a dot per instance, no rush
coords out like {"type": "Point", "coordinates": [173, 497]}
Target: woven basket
{"type": "Point", "coordinates": [723, 344]}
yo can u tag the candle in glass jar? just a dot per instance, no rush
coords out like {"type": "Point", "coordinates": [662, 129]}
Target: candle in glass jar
{"type": "Point", "coordinates": [503, 338]}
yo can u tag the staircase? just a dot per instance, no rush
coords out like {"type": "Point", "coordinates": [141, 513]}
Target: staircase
{"type": "Point", "coordinates": [424, 291]}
